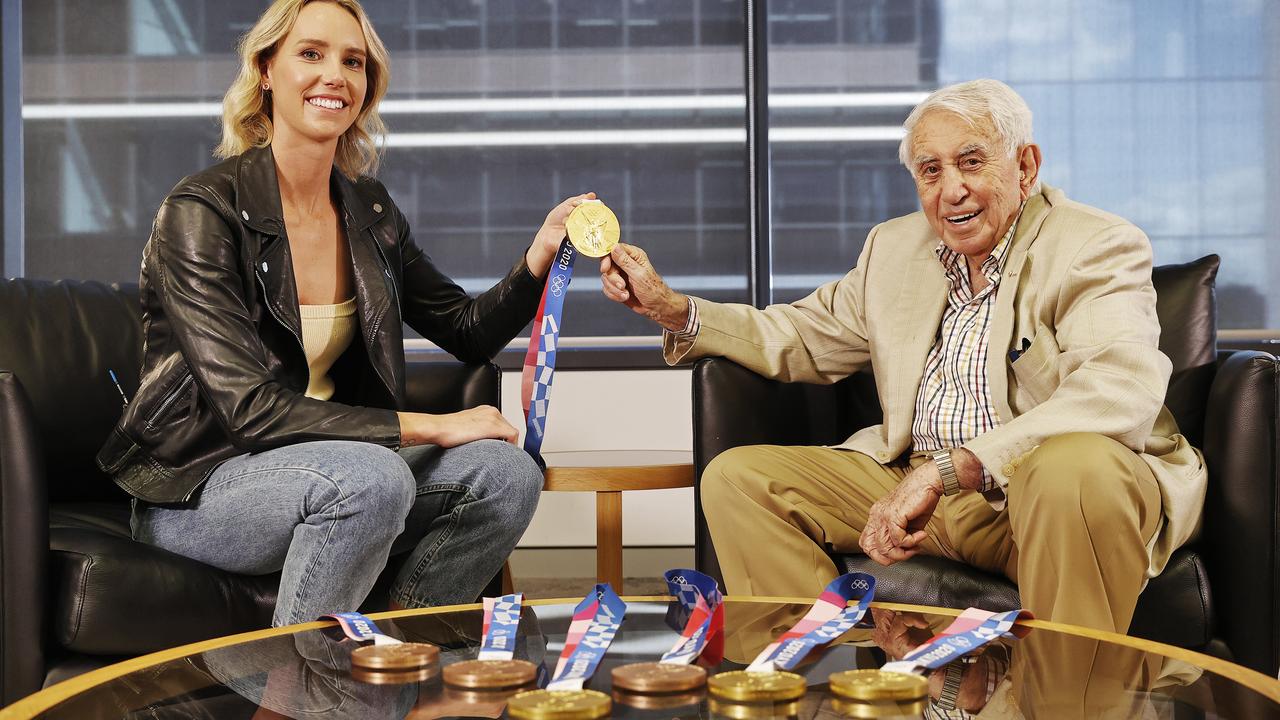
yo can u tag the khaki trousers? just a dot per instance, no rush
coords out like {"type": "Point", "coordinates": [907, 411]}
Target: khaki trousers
{"type": "Point", "coordinates": [1073, 536]}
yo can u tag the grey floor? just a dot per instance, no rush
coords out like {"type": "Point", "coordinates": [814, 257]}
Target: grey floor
{"type": "Point", "coordinates": [570, 572]}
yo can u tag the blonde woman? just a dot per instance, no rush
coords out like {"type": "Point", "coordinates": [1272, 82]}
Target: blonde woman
{"type": "Point", "coordinates": [264, 436]}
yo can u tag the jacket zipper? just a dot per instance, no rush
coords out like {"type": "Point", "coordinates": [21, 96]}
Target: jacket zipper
{"type": "Point", "coordinates": [266, 300]}
{"type": "Point", "coordinates": [170, 400]}
{"type": "Point", "coordinates": [395, 294]}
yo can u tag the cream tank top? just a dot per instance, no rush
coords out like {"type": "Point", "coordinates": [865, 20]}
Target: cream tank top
{"type": "Point", "coordinates": [327, 330]}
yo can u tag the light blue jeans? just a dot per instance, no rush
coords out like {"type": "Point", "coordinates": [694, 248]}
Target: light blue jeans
{"type": "Point", "coordinates": [328, 514]}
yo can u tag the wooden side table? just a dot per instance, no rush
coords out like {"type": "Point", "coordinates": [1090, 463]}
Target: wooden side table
{"type": "Point", "coordinates": [608, 473]}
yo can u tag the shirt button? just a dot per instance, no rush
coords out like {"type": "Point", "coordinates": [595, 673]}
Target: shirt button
{"type": "Point", "coordinates": [882, 456]}
{"type": "Point", "coordinates": [245, 214]}
{"type": "Point", "coordinates": [1008, 469]}
{"type": "Point", "coordinates": [377, 207]}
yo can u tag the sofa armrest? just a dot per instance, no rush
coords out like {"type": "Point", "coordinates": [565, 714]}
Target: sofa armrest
{"type": "Point", "coordinates": [432, 387]}
{"type": "Point", "coordinates": [1240, 537]}
{"type": "Point", "coordinates": [24, 544]}
{"type": "Point", "coordinates": [733, 406]}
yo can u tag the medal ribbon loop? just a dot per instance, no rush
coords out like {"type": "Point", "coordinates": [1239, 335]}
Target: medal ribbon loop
{"type": "Point", "coordinates": [360, 628]}
{"type": "Point", "coordinates": [501, 622]}
{"type": "Point", "coordinates": [540, 359]}
{"type": "Point", "coordinates": [700, 594]}
{"type": "Point", "coordinates": [595, 621]}
{"type": "Point", "coordinates": [830, 617]}
{"type": "Point", "coordinates": [973, 629]}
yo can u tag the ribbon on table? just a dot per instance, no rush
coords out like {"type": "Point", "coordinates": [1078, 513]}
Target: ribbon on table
{"type": "Point", "coordinates": [595, 621]}
{"type": "Point", "coordinates": [704, 631]}
{"type": "Point", "coordinates": [830, 617]}
{"type": "Point", "coordinates": [501, 622]}
{"type": "Point", "coordinates": [540, 359]}
{"type": "Point", "coordinates": [973, 629]}
{"type": "Point", "coordinates": [361, 629]}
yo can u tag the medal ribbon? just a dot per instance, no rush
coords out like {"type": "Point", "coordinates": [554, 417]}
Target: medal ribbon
{"type": "Point", "coordinates": [360, 628]}
{"type": "Point", "coordinates": [595, 622]}
{"type": "Point", "coordinates": [540, 359]}
{"type": "Point", "coordinates": [973, 629]}
{"type": "Point", "coordinates": [700, 594]}
{"type": "Point", "coordinates": [501, 620]}
{"type": "Point", "coordinates": [830, 617]}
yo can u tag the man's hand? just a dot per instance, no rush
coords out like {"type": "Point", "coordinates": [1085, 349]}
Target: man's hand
{"type": "Point", "coordinates": [895, 524]}
{"type": "Point", "coordinates": [899, 633]}
{"type": "Point", "coordinates": [478, 423]}
{"type": "Point", "coordinates": [630, 279]}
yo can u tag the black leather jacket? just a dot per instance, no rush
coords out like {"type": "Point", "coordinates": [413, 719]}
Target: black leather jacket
{"type": "Point", "coordinates": [223, 370]}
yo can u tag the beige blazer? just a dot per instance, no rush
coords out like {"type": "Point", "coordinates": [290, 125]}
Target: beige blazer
{"type": "Point", "coordinates": [1076, 283]}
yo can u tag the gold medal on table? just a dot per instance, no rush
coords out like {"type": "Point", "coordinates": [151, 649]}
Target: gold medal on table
{"type": "Point", "coordinates": [656, 677]}
{"type": "Point", "coordinates": [665, 701]}
{"type": "Point", "coordinates": [878, 685]}
{"type": "Point", "coordinates": [743, 686]}
{"type": "Point", "coordinates": [593, 228]}
{"type": "Point", "coordinates": [753, 710]}
{"type": "Point", "coordinates": [399, 657]}
{"type": "Point", "coordinates": [490, 674]}
{"type": "Point", "coordinates": [559, 705]}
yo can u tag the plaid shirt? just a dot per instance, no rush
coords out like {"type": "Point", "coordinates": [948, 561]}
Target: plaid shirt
{"type": "Point", "coordinates": [954, 404]}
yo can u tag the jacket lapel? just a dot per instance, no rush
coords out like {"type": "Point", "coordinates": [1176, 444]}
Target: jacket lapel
{"type": "Point", "coordinates": [924, 295]}
{"type": "Point", "coordinates": [1001, 338]}
{"type": "Point", "coordinates": [258, 204]}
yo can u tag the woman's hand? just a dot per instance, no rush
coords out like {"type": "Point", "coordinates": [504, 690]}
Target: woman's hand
{"type": "Point", "coordinates": [545, 244]}
{"type": "Point", "coordinates": [460, 428]}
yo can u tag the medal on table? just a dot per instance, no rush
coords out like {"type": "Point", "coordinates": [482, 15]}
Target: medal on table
{"type": "Point", "coordinates": [840, 606]}
{"type": "Point", "coordinates": [387, 660]}
{"type": "Point", "coordinates": [494, 668]}
{"type": "Point", "coordinates": [675, 674]}
{"type": "Point", "coordinates": [877, 693]}
{"type": "Point", "coordinates": [595, 622]}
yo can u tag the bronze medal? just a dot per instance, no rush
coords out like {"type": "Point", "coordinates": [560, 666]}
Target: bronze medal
{"type": "Point", "coordinates": [593, 228]}
{"type": "Point", "coordinates": [559, 705]}
{"type": "Point", "coordinates": [743, 686]}
{"type": "Point", "coordinates": [395, 677]}
{"type": "Point", "coordinates": [401, 656]}
{"type": "Point", "coordinates": [656, 677]}
{"type": "Point", "coordinates": [490, 674]}
{"type": "Point", "coordinates": [877, 685]}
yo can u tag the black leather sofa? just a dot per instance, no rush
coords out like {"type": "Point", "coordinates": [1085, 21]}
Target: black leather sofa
{"type": "Point", "coordinates": [76, 592]}
{"type": "Point", "coordinates": [1220, 593]}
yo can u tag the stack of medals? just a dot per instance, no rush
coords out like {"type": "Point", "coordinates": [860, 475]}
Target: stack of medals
{"type": "Point", "coordinates": [897, 689]}
{"type": "Point", "coordinates": [387, 660]}
{"type": "Point", "coordinates": [674, 681]}
{"type": "Point", "coordinates": [493, 675]}
{"type": "Point", "coordinates": [595, 622]}
{"type": "Point", "coordinates": [765, 688]}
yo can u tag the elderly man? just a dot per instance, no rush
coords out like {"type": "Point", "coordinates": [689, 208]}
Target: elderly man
{"type": "Point", "coordinates": [1013, 335]}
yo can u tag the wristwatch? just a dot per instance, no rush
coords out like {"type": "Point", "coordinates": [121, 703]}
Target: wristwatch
{"type": "Point", "coordinates": [950, 483]}
{"type": "Point", "coordinates": [953, 675]}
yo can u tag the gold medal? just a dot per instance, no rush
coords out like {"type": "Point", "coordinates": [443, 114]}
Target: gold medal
{"type": "Point", "coordinates": [753, 710]}
{"type": "Point", "coordinates": [656, 677]}
{"type": "Point", "coordinates": [888, 709]}
{"type": "Point", "coordinates": [878, 685]}
{"type": "Point", "coordinates": [559, 705]}
{"type": "Point", "coordinates": [401, 656]}
{"type": "Point", "coordinates": [743, 686]}
{"type": "Point", "coordinates": [490, 674]}
{"type": "Point", "coordinates": [593, 228]}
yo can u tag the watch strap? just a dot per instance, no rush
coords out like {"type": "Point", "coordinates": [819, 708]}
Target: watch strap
{"type": "Point", "coordinates": [947, 471]}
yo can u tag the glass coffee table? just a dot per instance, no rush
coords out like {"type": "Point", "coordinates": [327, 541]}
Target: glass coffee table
{"type": "Point", "coordinates": [303, 671]}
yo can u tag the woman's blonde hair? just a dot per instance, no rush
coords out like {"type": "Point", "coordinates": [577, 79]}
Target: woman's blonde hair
{"type": "Point", "coordinates": [246, 108]}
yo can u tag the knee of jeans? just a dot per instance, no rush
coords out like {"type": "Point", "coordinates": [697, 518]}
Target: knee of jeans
{"type": "Point", "coordinates": [377, 480]}
{"type": "Point", "coordinates": [507, 470]}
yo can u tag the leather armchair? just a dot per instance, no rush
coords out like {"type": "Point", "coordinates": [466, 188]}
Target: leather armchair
{"type": "Point", "coordinates": [76, 592]}
{"type": "Point", "coordinates": [1225, 404]}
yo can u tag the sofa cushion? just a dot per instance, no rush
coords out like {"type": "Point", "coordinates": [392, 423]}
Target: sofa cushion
{"type": "Point", "coordinates": [1175, 607]}
{"type": "Point", "coordinates": [112, 595]}
{"type": "Point", "coordinates": [1189, 337]}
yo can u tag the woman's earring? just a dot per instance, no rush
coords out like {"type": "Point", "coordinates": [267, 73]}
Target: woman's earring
{"type": "Point", "coordinates": [266, 86]}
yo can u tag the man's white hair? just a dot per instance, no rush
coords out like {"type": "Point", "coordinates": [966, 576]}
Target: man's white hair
{"type": "Point", "coordinates": [975, 101]}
